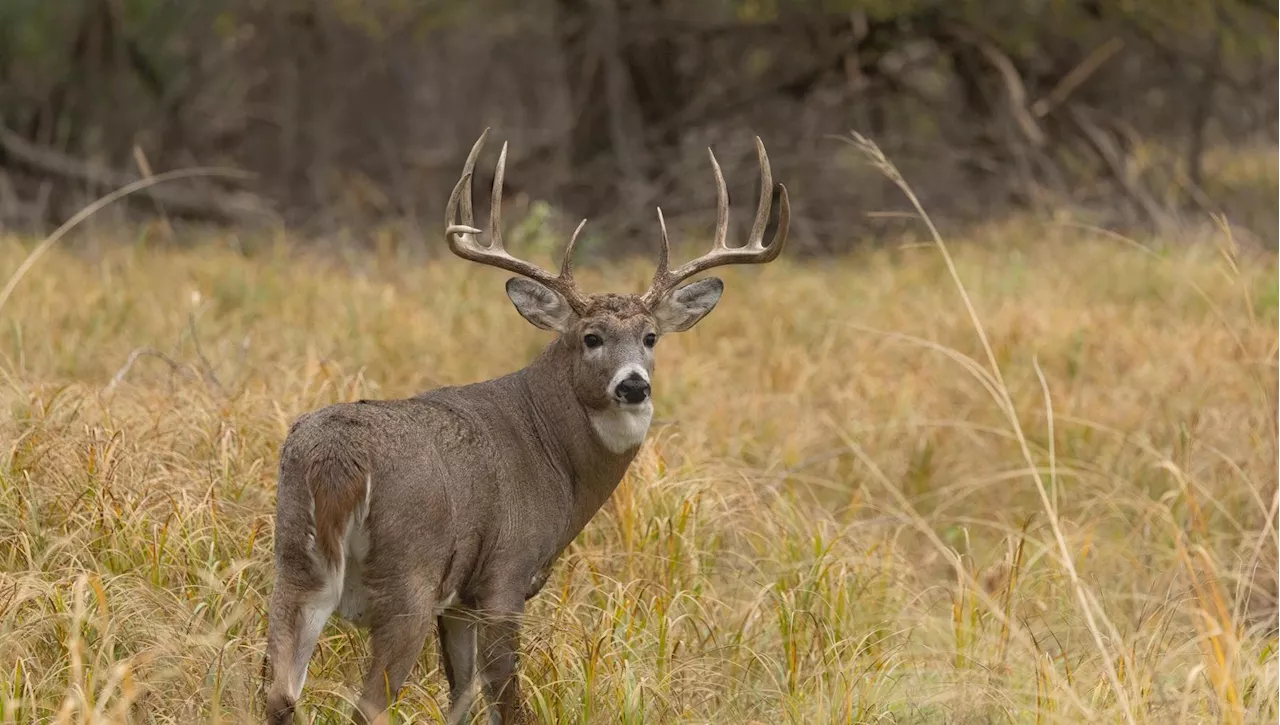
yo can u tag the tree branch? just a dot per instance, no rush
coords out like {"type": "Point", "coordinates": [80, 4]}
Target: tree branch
{"type": "Point", "coordinates": [237, 208]}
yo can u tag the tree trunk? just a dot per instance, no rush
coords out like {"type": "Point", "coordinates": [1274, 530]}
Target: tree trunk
{"type": "Point", "coordinates": [626, 90]}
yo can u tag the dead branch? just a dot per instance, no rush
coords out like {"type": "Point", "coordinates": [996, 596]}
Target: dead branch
{"type": "Point", "coordinates": [119, 377]}
{"type": "Point", "coordinates": [1077, 76]}
{"type": "Point", "coordinates": [1118, 164]}
{"type": "Point", "coordinates": [1017, 94]}
{"type": "Point", "coordinates": [238, 207]}
{"type": "Point", "coordinates": [1015, 89]}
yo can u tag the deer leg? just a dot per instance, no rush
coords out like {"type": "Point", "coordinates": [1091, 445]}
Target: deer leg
{"type": "Point", "coordinates": [396, 643]}
{"type": "Point", "coordinates": [498, 641]}
{"type": "Point", "coordinates": [458, 653]}
{"type": "Point", "coordinates": [296, 618]}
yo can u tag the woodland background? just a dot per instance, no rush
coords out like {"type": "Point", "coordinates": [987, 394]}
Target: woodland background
{"type": "Point", "coordinates": [354, 117]}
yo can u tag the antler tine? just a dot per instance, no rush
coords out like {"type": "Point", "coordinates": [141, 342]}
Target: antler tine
{"type": "Point", "coordinates": [755, 239]}
{"type": "Point", "coordinates": [463, 242]}
{"type": "Point", "coordinates": [462, 190]}
{"type": "Point", "coordinates": [566, 265]}
{"type": "Point", "coordinates": [663, 271]}
{"type": "Point", "coordinates": [495, 208]}
{"type": "Point", "coordinates": [722, 205]}
{"type": "Point", "coordinates": [754, 251]}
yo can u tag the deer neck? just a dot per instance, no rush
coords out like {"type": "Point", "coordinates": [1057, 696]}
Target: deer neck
{"type": "Point", "coordinates": [572, 435]}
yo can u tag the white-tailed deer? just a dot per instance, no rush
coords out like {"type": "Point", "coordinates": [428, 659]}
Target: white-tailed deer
{"type": "Point", "coordinates": [449, 508]}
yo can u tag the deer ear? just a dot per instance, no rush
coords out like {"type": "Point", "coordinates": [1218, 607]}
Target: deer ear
{"type": "Point", "coordinates": [684, 307]}
{"type": "Point", "coordinates": [538, 304]}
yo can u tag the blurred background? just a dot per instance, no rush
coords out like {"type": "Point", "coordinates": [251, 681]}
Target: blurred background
{"type": "Point", "coordinates": [1027, 475]}
{"type": "Point", "coordinates": [354, 117]}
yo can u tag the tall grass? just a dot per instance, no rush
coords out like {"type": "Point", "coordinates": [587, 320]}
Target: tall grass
{"type": "Point", "coordinates": [1024, 478]}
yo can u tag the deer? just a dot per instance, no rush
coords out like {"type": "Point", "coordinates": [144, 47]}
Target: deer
{"type": "Point", "coordinates": [450, 508]}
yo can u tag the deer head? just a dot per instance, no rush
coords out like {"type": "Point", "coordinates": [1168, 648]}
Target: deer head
{"type": "Point", "coordinates": [612, 336]}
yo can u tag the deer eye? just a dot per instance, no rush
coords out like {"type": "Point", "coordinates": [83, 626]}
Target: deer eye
{"type": "Point", "coordinates": [650, 340]}
{"type": "Point", "coordinates": [592, 341]}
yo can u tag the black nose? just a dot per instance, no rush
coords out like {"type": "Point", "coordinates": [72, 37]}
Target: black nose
{"type": "Point", "coordinates": [632, 390]}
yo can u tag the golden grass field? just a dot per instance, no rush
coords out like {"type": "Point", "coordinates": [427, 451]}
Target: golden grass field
{"type": "Point", "coordinates": [845, 513]}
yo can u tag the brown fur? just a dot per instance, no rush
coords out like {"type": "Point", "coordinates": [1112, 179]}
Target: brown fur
{"type": "Point", "coordinates": [454, 505]}
{"type": "Point", "coordinates": [474, 491]}
{"type": "Point", "coordinates": [336, 479]}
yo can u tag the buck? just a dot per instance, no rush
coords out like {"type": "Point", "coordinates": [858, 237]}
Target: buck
{"type": "Point", "coordinates": [449, 508]}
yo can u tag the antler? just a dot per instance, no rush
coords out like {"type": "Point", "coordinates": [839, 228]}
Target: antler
{"type": "Point", "coordinates": [753, 252]}
{"type": "Point", "coordinates": [462, 236]}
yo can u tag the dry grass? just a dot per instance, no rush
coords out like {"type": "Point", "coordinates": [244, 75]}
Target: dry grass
{"type": "Point", "coordinates": [852, 512]}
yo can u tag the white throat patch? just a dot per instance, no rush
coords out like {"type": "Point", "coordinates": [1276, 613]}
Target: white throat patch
{"type": "Point", "coordinates": [623, 427]}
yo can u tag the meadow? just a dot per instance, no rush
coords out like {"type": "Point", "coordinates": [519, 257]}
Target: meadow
{"type": "Point", "coordinates": [1029, 477]}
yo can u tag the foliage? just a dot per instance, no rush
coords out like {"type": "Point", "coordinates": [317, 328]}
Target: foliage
{"type": "Point", "coordinates": [352, 112]}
